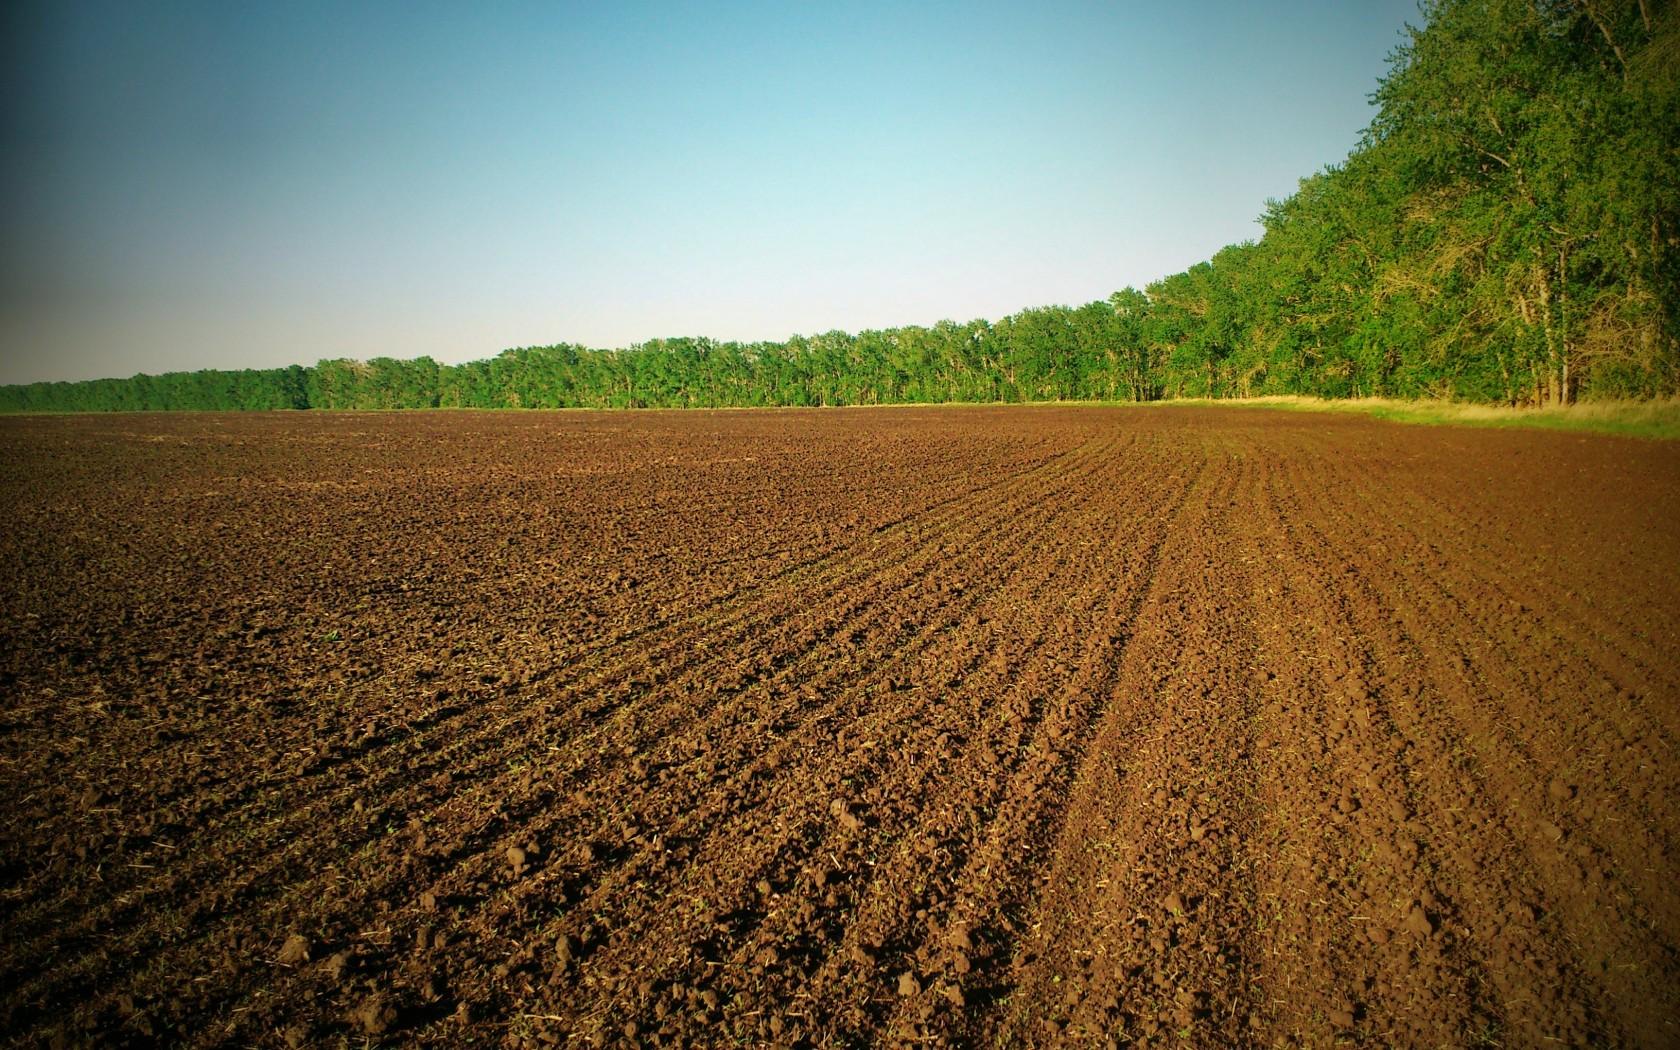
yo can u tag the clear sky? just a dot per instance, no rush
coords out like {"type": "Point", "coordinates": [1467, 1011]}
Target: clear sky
{"type": "Point", "coordinates": [235, 184]}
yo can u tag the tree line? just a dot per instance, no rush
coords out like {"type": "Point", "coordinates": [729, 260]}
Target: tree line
{"type": "Point", "coordinates": [1507, 230]}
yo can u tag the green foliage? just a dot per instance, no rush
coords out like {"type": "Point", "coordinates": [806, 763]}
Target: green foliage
{"type": "Point", "coordinates": [247, 389]}
{"type": "Point", "coordinates": [1507, 231]}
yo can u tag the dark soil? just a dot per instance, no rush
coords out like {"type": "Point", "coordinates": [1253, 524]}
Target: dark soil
{"type": "Point", "coordinates": [1016, 727]}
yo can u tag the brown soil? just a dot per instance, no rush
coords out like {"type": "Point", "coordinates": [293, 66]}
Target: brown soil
{"type": "Point", "coordinates": [968, 727]}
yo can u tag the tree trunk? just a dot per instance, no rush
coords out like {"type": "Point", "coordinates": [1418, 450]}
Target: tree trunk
{"type": "Point", "coordinates": [1598, 20]}
{"type": "Point", "coordinates": [1563, 324]}
{"type": "Point", "coordinates": [1554, 355]}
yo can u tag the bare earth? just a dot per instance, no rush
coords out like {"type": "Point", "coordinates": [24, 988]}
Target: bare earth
{"type": "Point", "coordinates": [976, 726]}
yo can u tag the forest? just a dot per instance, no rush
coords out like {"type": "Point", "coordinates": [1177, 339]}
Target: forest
{"type": "Point", "coordinates": [1506, 231]}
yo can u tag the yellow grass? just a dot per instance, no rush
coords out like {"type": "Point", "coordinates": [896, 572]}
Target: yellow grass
{"type": "Point", "coordinates": [1646, 419]}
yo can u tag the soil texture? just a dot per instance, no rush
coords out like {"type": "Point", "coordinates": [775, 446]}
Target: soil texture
{"type": "Point", "coordinates": [954, 727]}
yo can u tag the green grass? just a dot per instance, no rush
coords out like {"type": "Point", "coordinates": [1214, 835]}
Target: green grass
{"type": "Point", "coordinates": [1642, 419]}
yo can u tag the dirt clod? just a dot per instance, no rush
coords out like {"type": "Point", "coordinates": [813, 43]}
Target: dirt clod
{"type": "Point", "coordinates": [295, 950]}
{"type": "Point", "coordinates": [374, 1015]}
{"type": "Point", "coordinates": [1419, 923]}
{"type": "Point", "coordinates": [337, 965]}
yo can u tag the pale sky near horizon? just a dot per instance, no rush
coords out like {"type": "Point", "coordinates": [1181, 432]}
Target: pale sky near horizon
{"type": "Point", "coordinates": [232, 185]}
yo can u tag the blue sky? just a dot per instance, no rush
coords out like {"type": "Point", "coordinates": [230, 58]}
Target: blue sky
{"type": "Point", "coordinates": [249, 185]}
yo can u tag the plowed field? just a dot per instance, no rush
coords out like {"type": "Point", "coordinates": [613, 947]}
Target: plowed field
{"type": "Point", "coordinates": [1039, 726]}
